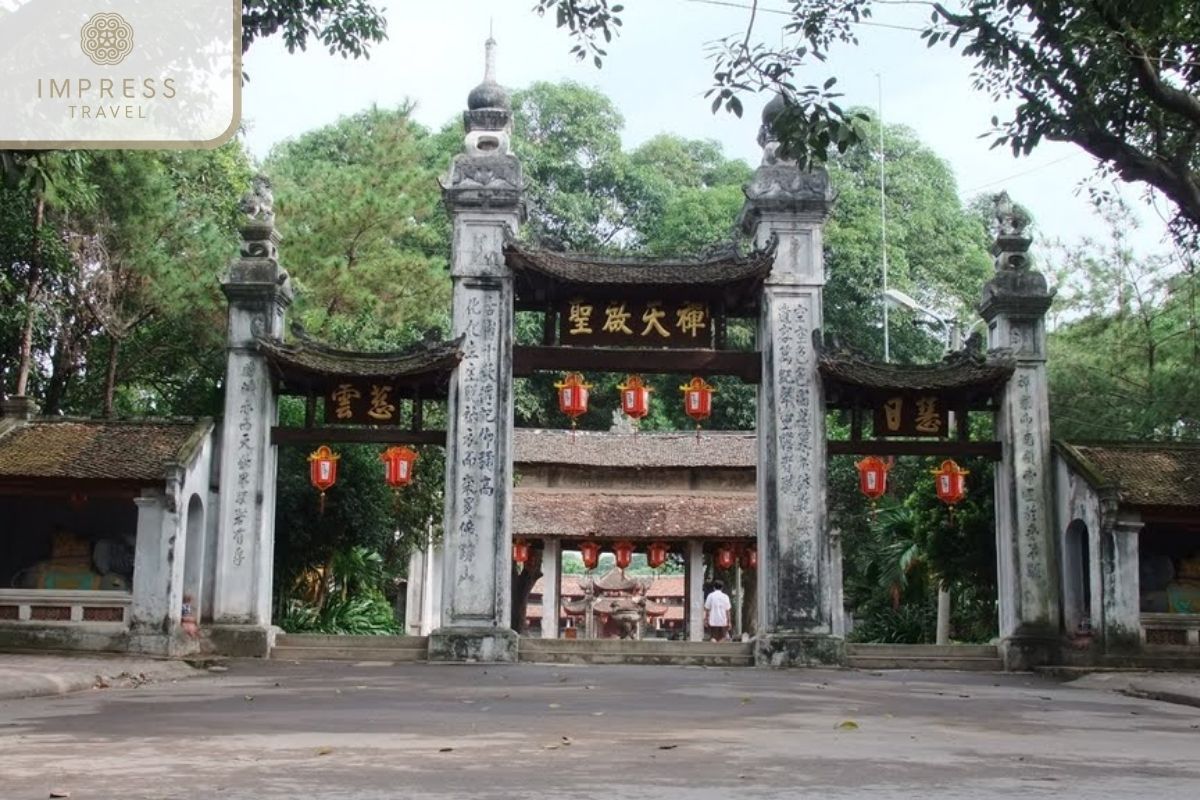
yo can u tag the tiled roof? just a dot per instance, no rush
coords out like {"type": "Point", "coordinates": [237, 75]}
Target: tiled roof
{"type": "Point", "coordinates": [98, 450]}
{"type": "Point", "coordinates": [642, 450]}
{"type": "Point", "coordinates": [671, 586]}
{"type": "Point", "coordinates": [1143, 473]}
{"type": "Point", "coordinates": [305, 360]}
{"type": "Point", "coordinates": [633, 516]}
{"type": "Point", "coordinates": [576, 268]}
{"type": "Point", "coordinates": [955, 372]}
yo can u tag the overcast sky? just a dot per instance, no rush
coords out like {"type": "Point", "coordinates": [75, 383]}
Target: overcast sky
{"type": "Point", "coordinates": [657, 74]}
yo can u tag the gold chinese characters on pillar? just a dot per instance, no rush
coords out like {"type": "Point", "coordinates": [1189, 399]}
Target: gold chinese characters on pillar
{"type": "Point", "coordinates": [912, 414]}
{"type": "Point", "coordinates": [624, 322]}
{"type": "Point", "coordinates": [362, 403]}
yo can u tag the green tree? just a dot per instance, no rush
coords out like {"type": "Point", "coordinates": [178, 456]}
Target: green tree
{"type": "Point", "coordinates": [1125, 354]}
{"type": "Point", "coordinates": [937, 249]}
{"type": "Point", "coordinates": [367, 242]}
{"type": "Point", "coordinates": [1117, 78]}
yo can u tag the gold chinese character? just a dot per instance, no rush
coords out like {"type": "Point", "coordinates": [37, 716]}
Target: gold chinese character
{"type": "Point", "coordinates": [580, 317]}
{"type": "Point", "coordinates": [891, 413]}
{"type": "Point", "coordinates": [654, 312]}
{"type": "Point", "coordinates": [380, 407]}
{"type": "Point", "coordinates": [928, 418]}
{"type": "Point", "coordinates": [690, 318]}
{"type": "Point", "coordinates": [617, 319]}
{"type": "Point", "coordinates": [343, 396]}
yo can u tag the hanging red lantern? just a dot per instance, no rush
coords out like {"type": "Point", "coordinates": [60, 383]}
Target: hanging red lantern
{"type": "Point", "coordinates": [520, 551]}
{"type": "Point", "coordinates": [398, 466]}
{"type": "Point", "coordinates": [872, 476]}
{"type": "Point", "coordinates": [697, 399]}
{"type": "Point", "coordinates": [573, 396]}
{"type": "Point", "coordinates": [591, 554]}
{"type": "Point", "coordinates": [725, 556]}
{"type": "Point", "coordinates": [322, 470]}
{"type": "Point", "coordinates": [950, 482]}
{"type": "Point", "coordinates": [750, 558]}
{"type": "Point", "coordinates": [635, 397]}
{"type": "Point", "coordinates": [624, 553]}
{"type": "Point", "coordinates": [656, 554]}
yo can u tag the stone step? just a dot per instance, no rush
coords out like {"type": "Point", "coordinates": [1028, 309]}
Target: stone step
{"type": "Point", "coordinates": [647, 646]}
{"type": "Point", "coordinates": [337, 640]}
{"type": "Point", "coordinates": [625, 651]}
{"type": "Point", "coordinates": [640, 658]}
{"type": "Point", "coordinates": [357, 653]}
{"type": "Point", "coordinates": [962, 663]}
{"type": "Point", "coordinates": [924, 650]}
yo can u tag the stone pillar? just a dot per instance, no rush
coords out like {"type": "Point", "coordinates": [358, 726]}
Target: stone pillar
{"type": "Point", "coordinates": [1014, 305]}
{"type": "Point", "coordinates": [551, 564]}
{"type": "Point", "coordinates": [482, 193]}
{"type": "Point", "coordinates": [1121, 596]}
{"type": "Point", "coordinates": [157, 577]}
{"type": "Point", "coordinates": [259, 293]}
{"type": "Point", "coordinates": [789, 207]}
{"type": "Point", "coordinates": [694, 574]}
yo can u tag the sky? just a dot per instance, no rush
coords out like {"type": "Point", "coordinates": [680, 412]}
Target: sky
{"type": "Point", "coordinates": [656, 74]}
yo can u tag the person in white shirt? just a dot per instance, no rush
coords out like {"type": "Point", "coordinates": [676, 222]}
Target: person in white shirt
{"type": "Point", "coordinates": [716, 612]}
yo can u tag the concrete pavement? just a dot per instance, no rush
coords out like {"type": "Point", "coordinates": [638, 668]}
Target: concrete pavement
{"type": "Point", "coordinates": [373, 730]}
{"type": "Point", "coordinates": [37, 674]}
{"type": "Point", "coordinates": [1170, 687]}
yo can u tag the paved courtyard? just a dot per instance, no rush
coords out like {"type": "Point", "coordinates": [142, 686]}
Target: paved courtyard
{"type": "Point", "coordinates": [283, 730]}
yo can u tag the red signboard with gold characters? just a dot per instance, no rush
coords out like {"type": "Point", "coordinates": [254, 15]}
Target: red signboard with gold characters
{"type": "Point", "coordinates": [912, 415]}
{"type": "Point", "coordinates": [629, 322]}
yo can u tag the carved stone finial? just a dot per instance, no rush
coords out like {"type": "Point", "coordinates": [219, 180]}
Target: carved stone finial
{"type": "Point", "coordinates": [1016, 288]}
{"type": "Point", "coordinates": [768, 138]}
{"type": "Point", "coordinates": [1011, 219]}
{"type": "Point", "coordinates": [259, 203]}
{"type": "Point", "coordinates": [259, 237]}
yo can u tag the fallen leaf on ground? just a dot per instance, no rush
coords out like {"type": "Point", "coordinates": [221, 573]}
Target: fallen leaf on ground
{"type": "Point", "coordinates": [249, 697]}
{"type": "Point", "coordinates": [846, 725]}
{"type": "Point", "coordinates": [667, 746]}
{"type": "Point", "coordinates": [59, 793]}
{"type": "Point", "coordinates": [445, 749]}
{"type": "Point", "coordinates": [324, 751]}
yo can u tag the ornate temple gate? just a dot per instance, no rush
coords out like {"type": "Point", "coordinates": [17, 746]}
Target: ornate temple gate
{"type": "Point", "coordinates": [780, 284]}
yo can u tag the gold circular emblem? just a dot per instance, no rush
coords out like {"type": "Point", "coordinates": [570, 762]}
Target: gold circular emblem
{"type": "Point", "coordinates": [106, 39]}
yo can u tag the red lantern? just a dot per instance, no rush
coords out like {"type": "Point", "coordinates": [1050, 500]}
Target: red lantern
{"type": "Point", "coordinates": [750, 558]}
{"type": "Point", "coordinates": [591, 554]}
{"type": "Point", "coordinates": [322, 470]}
{"type": "Point", "coordinates": [624, 553]}
{"type": "Point", "coordinates": [725, 556]}
{"type": "Point", "coordinates": [635, 397]}
{"type": "Point", "coordinates": [573, 396]}
{"type": "Point", "coordinates": [656, 554]}
{"type": "Point", "coordinates": [872, 476]}
{"type": "Point", "coordinates": [398, 466]}
{"type": "Point", "coordinates": [697, 399]}
{"type": "Point", "coordinates": [520, 551]}
{"type": "Point", "coordinates": [950, 481]}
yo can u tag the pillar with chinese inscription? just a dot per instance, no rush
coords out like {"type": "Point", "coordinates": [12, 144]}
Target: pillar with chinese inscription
{"type": "Point", "coordinates": [795, 603]}
{"type": "Point", "coordinates": [259, 293]}
{"type": "Point", "coordinates": [482, 193]}
{"type": "Point", "coordinates": [1014, 305]}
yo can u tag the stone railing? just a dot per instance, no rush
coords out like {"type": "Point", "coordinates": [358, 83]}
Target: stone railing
{"type": "Point", "coordinates": [1171, 630]}
{"type": "Point", "coordinates": [50, 606]}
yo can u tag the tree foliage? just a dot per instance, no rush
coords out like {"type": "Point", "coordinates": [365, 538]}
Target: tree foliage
{"type": "Point", "coordinates": [344, 27]}
{"type": "Point", "coordinates": [1125, 353]}
{"type": "Point", "coordinates": [1118, 78]}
